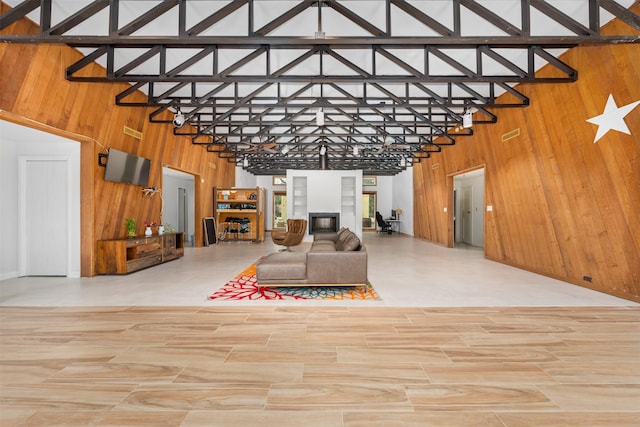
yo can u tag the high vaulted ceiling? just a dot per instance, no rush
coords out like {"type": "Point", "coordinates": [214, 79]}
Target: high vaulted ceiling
{"type": "Point", "coordinates": [378, 85]}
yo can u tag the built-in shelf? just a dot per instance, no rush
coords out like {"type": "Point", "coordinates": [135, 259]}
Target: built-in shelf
{"type": "Point", "coordinates": [299, 196]}
{"type": "Point", "coordinates": [239, 213]}
{"type": "Point", "coordinates": [348, 195]}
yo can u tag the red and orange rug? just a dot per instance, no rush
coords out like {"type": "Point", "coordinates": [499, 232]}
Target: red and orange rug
{"type": "Point", "coordinates": [244, 287]}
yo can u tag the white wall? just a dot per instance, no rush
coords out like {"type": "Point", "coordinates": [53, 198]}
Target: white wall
{"type": "Point", "coordinates": [324, 194]}
{"type": "Point", "coordinates": [18, 141]}
{"type": "Point", "coordinates": [402, 198]}
{"type": "Point", "coordinates": [244, 179]}
{"type": "Point", "coordinates": [393, 192]}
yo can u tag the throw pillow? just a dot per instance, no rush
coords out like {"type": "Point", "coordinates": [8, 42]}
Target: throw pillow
{"type": "Point", "coordinates": [342, 236]}
{"type": "Point", "coordinates": [352, 243]}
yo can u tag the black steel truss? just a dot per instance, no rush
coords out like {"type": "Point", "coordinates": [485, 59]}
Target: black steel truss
{"type": "Point", "coordinates": [250, 77]}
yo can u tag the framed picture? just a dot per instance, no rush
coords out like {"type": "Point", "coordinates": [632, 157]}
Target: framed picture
{"type": "Point", "coordinates": [279, 180]}
{"type": "Point", "coordinates": [369, 180]}
{"type": "Point", "coordinates": [210, 236]}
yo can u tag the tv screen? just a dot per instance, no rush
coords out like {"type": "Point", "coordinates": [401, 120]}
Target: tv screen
{"type": "Point", "coordinates": [127, 168]}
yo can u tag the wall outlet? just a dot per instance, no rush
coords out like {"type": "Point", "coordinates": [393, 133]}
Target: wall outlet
{"type": "Point", "coordinates": [586, 278]}
{"type": "Point", "coordinates": [489, 208]}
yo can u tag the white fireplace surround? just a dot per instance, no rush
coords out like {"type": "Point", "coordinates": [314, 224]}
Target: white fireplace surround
{"type": "Point", "coordinates": [326, 192]}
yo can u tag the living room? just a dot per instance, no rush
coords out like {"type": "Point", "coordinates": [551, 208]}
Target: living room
{"type": "Point", "coordinates": [536, 327]}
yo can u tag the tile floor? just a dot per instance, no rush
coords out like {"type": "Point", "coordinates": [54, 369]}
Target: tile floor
{"type": "Point", "coordinates": [406, 272]}
{"type": "Point", "coordinates": [455, 341]}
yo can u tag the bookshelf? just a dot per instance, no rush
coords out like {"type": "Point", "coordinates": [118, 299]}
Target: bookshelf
{"type": "Point", "coordinates": [239, 214]}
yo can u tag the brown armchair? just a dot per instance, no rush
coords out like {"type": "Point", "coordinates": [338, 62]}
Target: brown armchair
{"type": "Point", "coordinates": [296, 229]}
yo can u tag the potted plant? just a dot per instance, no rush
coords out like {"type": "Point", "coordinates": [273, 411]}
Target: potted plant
{"type": "Point", "coordinates": [130, 225]}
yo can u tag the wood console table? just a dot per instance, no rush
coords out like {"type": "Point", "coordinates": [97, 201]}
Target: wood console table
{"type": "Point", "coordinates": [123, 256]}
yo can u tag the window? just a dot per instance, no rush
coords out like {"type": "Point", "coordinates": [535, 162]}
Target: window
{"type": "Point", "coordinates": [279, 209]}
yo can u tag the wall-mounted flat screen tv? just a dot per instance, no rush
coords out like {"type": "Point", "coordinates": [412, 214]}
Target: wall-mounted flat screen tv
{"type": "Point", "coordinates": [127, 168]}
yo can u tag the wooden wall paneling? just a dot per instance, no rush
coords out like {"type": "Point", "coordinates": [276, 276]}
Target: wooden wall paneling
{"type": "Point", "coordinates": [37, 92]}
{"type": "Point", "coordinates": [87, 209]}
{"type": "Point", "coordinates": [562, 205]}
{"type": "Point", "coordinates": [421, 207]}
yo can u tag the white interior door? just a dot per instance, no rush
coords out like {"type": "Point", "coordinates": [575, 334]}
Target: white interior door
{"type": "Point", "coordinates": [45, 210]}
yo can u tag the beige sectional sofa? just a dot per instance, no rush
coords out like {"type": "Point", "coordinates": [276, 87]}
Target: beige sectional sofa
{"type": "Point", "coordinates": [333, 259]}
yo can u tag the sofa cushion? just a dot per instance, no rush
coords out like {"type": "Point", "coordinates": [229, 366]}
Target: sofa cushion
{"type": "Point", "coordinates": [342, 230]}
{"type": "Point", "coordinates": [282, 265]}
{"type": "Point", "coordinates": [351, 243]}
{"type": "Point", "coordinates": [323, 246]}
{"type": "Point", "coordinates": [342, 237]}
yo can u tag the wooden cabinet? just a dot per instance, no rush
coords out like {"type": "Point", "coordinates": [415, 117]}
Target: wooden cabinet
{"type": "Point", "coordinates": [239, 213]}
{"type": "Point", "coordinates": [123, 256]}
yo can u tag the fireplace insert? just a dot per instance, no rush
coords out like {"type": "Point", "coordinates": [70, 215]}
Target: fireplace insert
{"type": "Point", "coordinates": [324, 222]}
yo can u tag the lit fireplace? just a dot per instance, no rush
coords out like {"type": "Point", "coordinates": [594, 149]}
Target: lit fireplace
{"type": "Point", "coordinates": [324, 222]}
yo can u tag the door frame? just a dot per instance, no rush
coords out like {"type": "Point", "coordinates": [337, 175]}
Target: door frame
{"type": "Point", "coordinates": [451, 202]}
{"type": "Point", "coordinates": [195, 204]}
{"type": "Point", "coordinates": [88, 165]}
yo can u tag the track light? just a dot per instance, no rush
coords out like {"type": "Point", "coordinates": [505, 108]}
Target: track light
{"type": "Point", "coordinates": [245, 162]}
{"type": "Point", "coordinates": [467, 120]}
{"type": "Point", "coordinates": [324, 158]}
{"type": "Point", "coordinates": [356, 150]}
{"type": "Point", "coordinates": [320, 117]}
{"type": "Point", "coordinates": [178, 119]}
{"type": "Point", "coordinates": [285, 150]}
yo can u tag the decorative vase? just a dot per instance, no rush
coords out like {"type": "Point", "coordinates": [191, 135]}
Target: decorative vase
{"type": "Point", "coordinates": [161, 229]}
{"type": "Point", "coordinates": [131, 234]}
{"type": "Point", "coordinates": [148, 231]}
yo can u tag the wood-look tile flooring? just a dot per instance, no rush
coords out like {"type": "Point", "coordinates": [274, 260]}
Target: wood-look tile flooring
{"type": "Point", "coordinates": [319, 366]}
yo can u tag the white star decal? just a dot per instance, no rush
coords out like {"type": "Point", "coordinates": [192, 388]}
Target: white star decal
{"type": "Point", "coordinates": [612, 118]}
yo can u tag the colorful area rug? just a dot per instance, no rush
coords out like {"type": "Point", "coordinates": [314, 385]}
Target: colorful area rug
{"type": "Point", "coordinates": [244, 287]}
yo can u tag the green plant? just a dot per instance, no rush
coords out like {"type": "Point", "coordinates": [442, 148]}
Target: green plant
{"type": "Point", "coordinates": [130, 225]}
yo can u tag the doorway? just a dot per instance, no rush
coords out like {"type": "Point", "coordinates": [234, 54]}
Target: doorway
{"type": "Point", "coordinates": [369, 208]}
{"type": "Point", "coordinates": [178, 202]}
{"type": "Point", "coordinates": [468, 202]}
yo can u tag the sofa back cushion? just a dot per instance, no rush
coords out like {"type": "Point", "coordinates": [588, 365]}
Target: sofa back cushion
{"type": "Point", "coordinates": [348, 242]}
{"type": "Point", "coordinates": [342, 236]}
{"type": "Point", "coordinates": [342, 232]}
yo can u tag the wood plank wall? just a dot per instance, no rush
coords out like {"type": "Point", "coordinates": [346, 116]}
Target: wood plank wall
{"type": "Point", "coordinates": [35, 91]}
{"type": "Point", "coordinates": [563, 206]}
